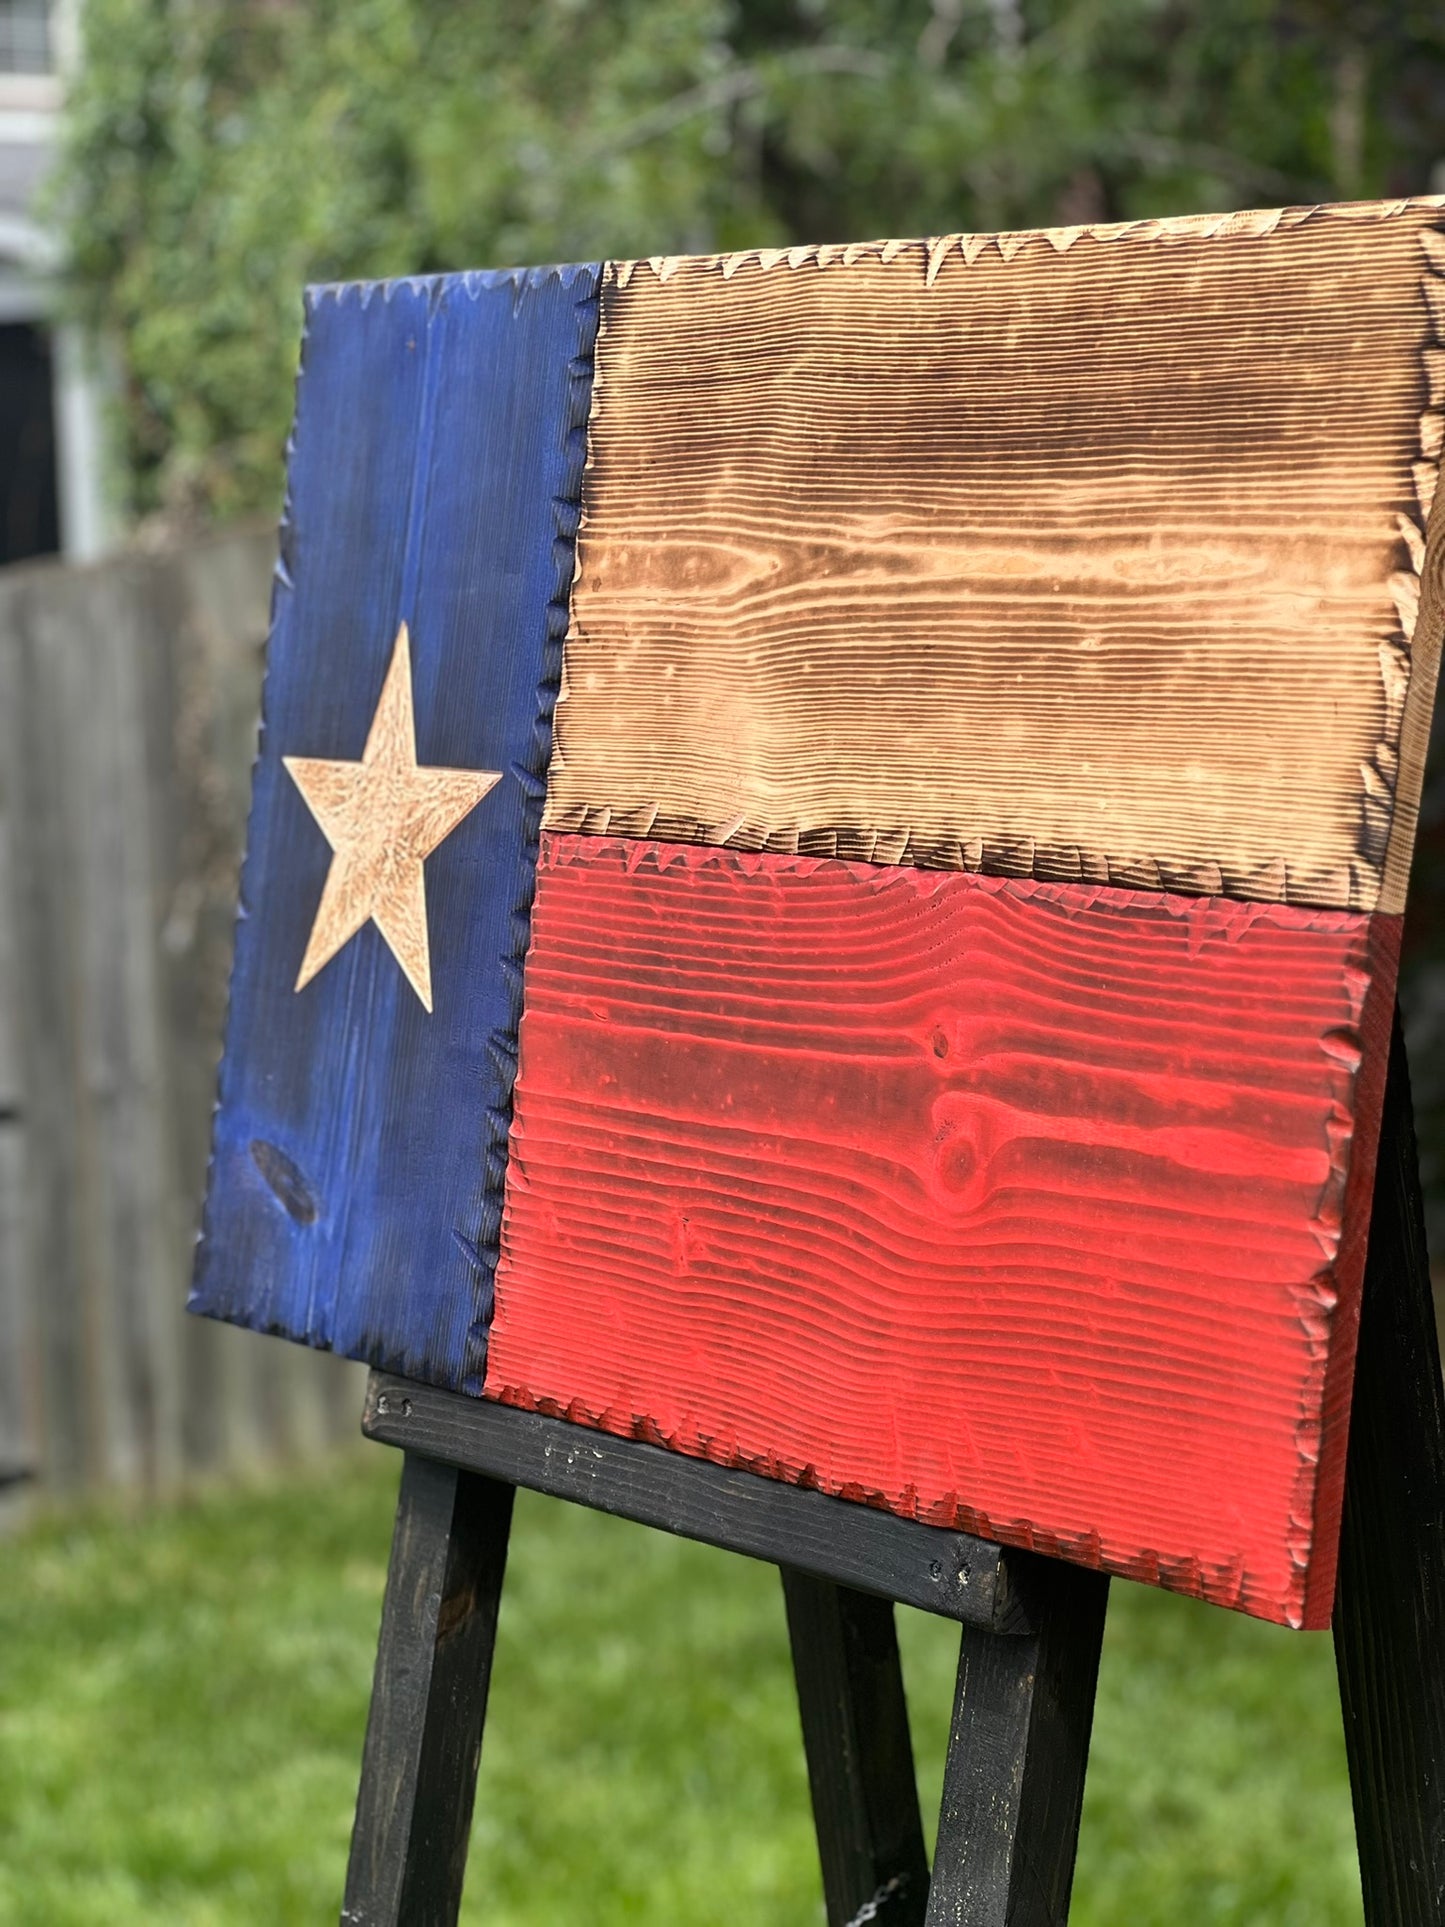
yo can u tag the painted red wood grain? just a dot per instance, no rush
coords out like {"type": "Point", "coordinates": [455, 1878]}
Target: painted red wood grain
{"type": "Point", "coordinates": [1009, 1205]}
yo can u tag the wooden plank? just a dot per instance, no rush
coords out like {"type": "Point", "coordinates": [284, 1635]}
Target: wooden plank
{"type": "Point", "coordinates": [207, 610]}
{"type": "Point", "coordinates": [433, 481]}
{"type": "Point", "coordinates": [1093, 555]}
{"type": "Point", "coordinates": [48, 947]}
{"type": "Point", "coordinates": [860, 1755]}
{"type": "Point", "coordinates": [954, 1194]}
{"type": "Point", "coordinates": [135, 1265]}
{"type": "Point", "coordinates": [1390, 1616]}
{"type": "Point", "coordinates": [19, 1415]}
{"type": "Point", "coordinates": [105, 1270]}
{"type": "Point", "coordinates": [949, 1573]}
{"type": "Point", "coordinates": [428, 1699]}
{"type": "Point", "coordinates": [1013, 1782]}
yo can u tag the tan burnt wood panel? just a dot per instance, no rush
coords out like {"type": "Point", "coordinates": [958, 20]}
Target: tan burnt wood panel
{"type": "Point", "coordinates": [1092, 555]}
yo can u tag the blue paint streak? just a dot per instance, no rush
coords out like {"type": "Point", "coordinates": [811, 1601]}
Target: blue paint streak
{"type": "Point", "coordinates": [435, 473]}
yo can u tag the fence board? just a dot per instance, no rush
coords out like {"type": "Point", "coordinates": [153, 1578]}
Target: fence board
{"type": "Point", "coordinates": [17, 1338]}
{"type": "Point", "coordinates": [128, 698]}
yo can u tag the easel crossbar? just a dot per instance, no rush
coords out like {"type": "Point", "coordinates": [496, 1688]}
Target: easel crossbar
{"type": "Point", "coordinates": [948, 1573]}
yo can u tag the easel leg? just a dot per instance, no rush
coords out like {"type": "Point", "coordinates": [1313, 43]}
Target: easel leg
{"type": "Point", "coordinates": [428, 1698]}
{"type": "Point", "coordinates": [860, 1756]}
{"type": "Point", "coordinates": [1013, 1785]}
{"type": "Point", "coordinates": [1390, 1601]}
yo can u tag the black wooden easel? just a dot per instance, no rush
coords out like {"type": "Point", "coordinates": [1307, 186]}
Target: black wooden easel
{"type": "Point", "coordinates": [1031, 1630]}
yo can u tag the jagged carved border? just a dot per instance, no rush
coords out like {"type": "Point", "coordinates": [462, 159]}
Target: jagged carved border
{"type": "Point", "coordinates": [931, 252]}
{"type": "Point", "coordinates": [1409, 659]}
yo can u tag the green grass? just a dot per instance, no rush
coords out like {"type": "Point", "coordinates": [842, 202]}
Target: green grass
{"type": "Point", "coordinates": [183, 1694]}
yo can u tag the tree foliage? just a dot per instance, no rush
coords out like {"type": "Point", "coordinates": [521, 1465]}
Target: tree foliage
{"type": "Point", "coordinates": [221, 153]}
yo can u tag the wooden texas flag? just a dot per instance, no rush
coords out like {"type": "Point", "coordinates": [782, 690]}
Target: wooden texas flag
{"type": "Point", "coordinates": [826, 867]}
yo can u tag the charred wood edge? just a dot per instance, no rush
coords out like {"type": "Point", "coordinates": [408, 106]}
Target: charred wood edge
{"type": "Point", "coordinates": [428, 1698]}
{"type": "Point", "coordinates": [860, 1755]}
{"type": "Point", "coordinates": [948, 1573]}
{"type": "Point", "coordinates": [1013, 1782]}
{"type": "Point", "coordinates": [1389, 1621]}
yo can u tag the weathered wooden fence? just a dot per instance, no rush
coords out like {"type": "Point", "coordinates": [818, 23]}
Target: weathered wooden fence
{"type": "Point", "coordinates": [128, 701]}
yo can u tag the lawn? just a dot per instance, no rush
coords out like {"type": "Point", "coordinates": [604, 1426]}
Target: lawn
{"type": "Point", "coordinates": [183, 1694]}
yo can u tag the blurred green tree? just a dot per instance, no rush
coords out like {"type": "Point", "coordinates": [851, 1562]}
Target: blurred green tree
{"type": "Point", "coordinates": [222, 152]}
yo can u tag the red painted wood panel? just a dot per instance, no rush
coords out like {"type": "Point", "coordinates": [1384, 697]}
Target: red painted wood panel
{"type": "Point", "coordinates": [1011, 1205]}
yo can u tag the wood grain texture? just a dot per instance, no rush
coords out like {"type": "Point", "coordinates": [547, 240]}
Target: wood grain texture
{"type": "Point", "coordinates": [1091, 555]}
{"type": "Point", "coordinates": [360, 1143]}
{"type": "Point", "coordinates": [1006, 1205]}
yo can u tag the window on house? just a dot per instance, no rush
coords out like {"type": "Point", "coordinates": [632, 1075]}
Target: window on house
{"type": "Point", "coordinates": [24, 37]}
{"type": "Point", "coordinates": [29, 510]}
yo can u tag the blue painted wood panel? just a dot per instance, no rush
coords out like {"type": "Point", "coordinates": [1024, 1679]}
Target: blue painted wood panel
{"type": "Point", "coordinates": [360, 1143]}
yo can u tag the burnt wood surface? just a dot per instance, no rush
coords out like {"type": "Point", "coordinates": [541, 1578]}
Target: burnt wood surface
{"type": "Point", "coordinates": [1013, 1784]}
{"type": "Point", "coordinates": [334, 1214]}
{"type": "Point", "coordinates": [428, 1699]}
{"type": "Point", "coordinates": [957, 1192]}
{"type": "Point", "coordinates": [1097, 555]}
{"type": "Point", "coordinates": [1028, 709]}
{"type": "Point", "coordinates": [860, 1755]}
{"type": "Point", "coordinates": [949, 1573]}
{"type": "Point", "coordinates": [1390, 1610]}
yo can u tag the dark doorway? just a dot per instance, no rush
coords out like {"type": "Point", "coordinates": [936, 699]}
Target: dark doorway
{"type": "Point", "coordinates": [29, 513]}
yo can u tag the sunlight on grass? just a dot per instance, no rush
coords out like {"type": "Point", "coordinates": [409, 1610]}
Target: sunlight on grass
{"type": "Point", "coordinates": [183, 1695]}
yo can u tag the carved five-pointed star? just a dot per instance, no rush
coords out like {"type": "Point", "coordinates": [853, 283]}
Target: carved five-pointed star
{"type": "Point", "coordinates": [382, 816]}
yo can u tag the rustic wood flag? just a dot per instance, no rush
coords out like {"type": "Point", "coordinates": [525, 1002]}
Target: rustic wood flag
{"type": "Point", "coordinates": [826, 869]}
